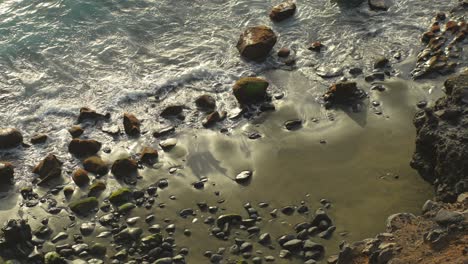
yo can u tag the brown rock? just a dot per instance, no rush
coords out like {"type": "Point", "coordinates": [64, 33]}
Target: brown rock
{"type": "Point", "coordinates": [381, 62]}
{"type": "Point", "coordinates": [212, 119]}
{"type": "Point", "coordinates": [80, 177]}
{"type": "Point", "coordinates": [50, 167]}
{"type": "Point", "coordinates": [206, 102]}
{"type": "Point", "coordinates": [131, 124]}
{"type": "Point", "coordinates": [256, 42]}
{"type": "Point", "coordinates": [89, 114]}
{"type": "Point", "coordinates": [171, 111]}
{"type": "Point", "coordinates": [149, 155]}
{"type": "Point", "coordinates": [84, 147]}
{"type": "Point", "coordinates": [39, 139]}
{"type": "Point", "coordinates": [341, 92]}
{"type": "Point", "coordinates": [123, 168]}
{"type": "Point", "coordinates": [379, 5]}
{"type": "Point", "coordinates": [250, 90]}
{"type": "Point", "coordinates": [10, 138]}
{"type": "Point", "coordinates": [284, 52]}
{"type": "Point", "coordinates": [316, 46]}
{"type": "Point", "coordinates": [95, 165]}
{"type": "Point", "coordinates": [283, 11]}
{"type": "Point", "coordinates": [452, 26]}
{"type": "Point", "coordinates": [76, 131]}
{"type": "Point", "coordinates": [6, 172]}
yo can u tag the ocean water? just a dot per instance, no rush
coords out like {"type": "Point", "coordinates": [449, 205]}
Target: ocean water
{"type": "Point", "coordinates": [140, 56]}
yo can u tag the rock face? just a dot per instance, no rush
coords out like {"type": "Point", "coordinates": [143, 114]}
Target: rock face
{"type": "Point", "coordinates": [256, 42]}
{"type": "Point", "coordinates": [131, 124]}
{"type": "Point", "coordinates": [6, 172]}
{"type": "Point", "coordinates": [250, 90]}
{"type": "Point", "coordinates": [84, 147]}
{"type": "Point", "coordinates": [283, 11]}
{"type": "Point", "coordinates": [49, 168]}
{"type": "Point", "coordinates": [10, 138]}
{"type": "Point", "coordinates": [441, 155]}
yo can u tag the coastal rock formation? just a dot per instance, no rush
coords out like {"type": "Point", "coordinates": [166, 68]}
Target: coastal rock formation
{"type": "Point", "coordinates": [250, 90]}
{"type": "Point", "coordinates": [255, 43]}
{"type": "Point", "coordinates": [283, 11]}
{"type": "Point", "coordinates": [10, 138]}
{"type": "Point", "coordinates": [441, 155]}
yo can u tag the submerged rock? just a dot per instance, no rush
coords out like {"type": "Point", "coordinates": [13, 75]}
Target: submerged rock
{"type": "Point", "coordinates": [84, 206]}
{"type": "Point", "coordinates": [84, 147]}
{"type": "Point", "coordinates": [255, 43]}
{"type": "Point", "coordinates": [131, 124]}
{"type": "Point", "coordinates": [284, 52]}
{"type": "Point", "coordinates": [123, 168]}
{"type": "Point", "coordinates": [39, 139]}
{"type": "Point", "coordinates": [441, 153]}
{"type": "Point", "coordinates": [6, 172]}
{"type": "Point", "coordinates": [53, 258]}
{"type": "Point", "coordinates": [10, 138]}
{"type": "Point", "coordinates": [283, 11]}
{"type": "Point", "coordinates": [250, 90]}
{"type": "Point", "coordinates": [212, 119]}
{"type": "Point", "coordinates": [168, 144]}
{"type": "Point", "coordinates": [50, 167]}
{"type": "Point", "coordinates": [206, 102]}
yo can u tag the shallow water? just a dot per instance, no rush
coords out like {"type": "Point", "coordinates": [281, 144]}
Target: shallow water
{"type": "Point", "coordinates": [139, 56]}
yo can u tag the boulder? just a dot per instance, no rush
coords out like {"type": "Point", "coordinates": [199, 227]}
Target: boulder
{"type": "Point", "coordinates": [84, 147]}
{"type": "Point", "coordinates": [89, 114]}
{"type": "Point", "coordinates": [131, 124]}
{"type": "Point", "coordinates": [85, 206]}
{"type": "Point", "coordinates": [95, 165]}
{"type": "Point", "coordinates": [120, 196]}
{"type": "Point", "coordinates": [149, 155]}
{"type": "Point", "coordinates": [6, 172]}
{"type": "Point", "coordinates": [441, 155]}
{"type": "Point", "coordinates": [250, 90]}
{"type": "Point", "coordinates": [206, 102]}
{"type": "Point", "coordinates": [283, 11]}
{"type": "Point", "coordinates": [123, 168]}
{"type": "Point", "coordinates": [10, 138]}
{"type": "Point", "coordinates": [50, 167]}
{"type": "Point", "coordinates": [255, 43]}
{"type": "Point", "coordinates": [80, 177]}
{"type": "Point", "coordinates": [341, 92]}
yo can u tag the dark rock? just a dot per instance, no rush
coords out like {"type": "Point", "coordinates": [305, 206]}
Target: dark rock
{"type": "Point", "coordinates": [379, 5]}
{"type": "Point", "coordinates": [441, 154]}
{"type": "Point", "coordinates": [381, 62]}
{"type": "Point", "coordinates": [76, 131]}
{"type": "Point", "coordinates": [212, 119]}
{"type": "Point", "coordinates": [84, 147]}
{"type": "Point", "coordinates": [243, 177]}
{"type": "Point", "coordinates": [131, 124]}
{"type": "Point", "coordinates": [164, 131]}
{"type": "Point", "coordinates": [228, 219]}
{"type": "Point", "coordinates": [250, 90]}
{"type": "Point", "coordinates": [50, 167]}
{"type": "Point", "coordinates": [316, 46]}
{"type": "Point", "coordinates": [283, 11]}
{"type": "Point", "coordinates": [293, 124]}
{"type": "Point", "coordinates": [95, 165]}
{"type": "Point", "coordinates": [172, 111]}
{"type": "Point", "coordinates": [293, 245]}
{"type": "Point", "coordinates": [84, 206]}
{"type": "Point", "coordinates": [120, 196]}
{"type": "Point", "coordinates": [341, 92]}
{"type": "Point", "coordinates": [355, 71]}
{"type": "Point", "coordinates": [256, 42]}
{"type": "Point", "coordinates": [6, 172]}
{"type": "Point", "coordinates": [206, 102]}
{"type": "Point", "coordinates": [284, 52]}
{"type": "Point", "coordinates": [89, 114]}
{"type": "Point", "coordinates": [123, 168]}
{"type": "Point", "coordinates": [445, 217]}
{"type": "Point", "coordinates": [10, 138]}
{"type": "Point", "coordinates": [80, 177]}
{"type": "Point", "coordinates": [39, 139]}
{"type": "Point", "coordinates": [149, 155]}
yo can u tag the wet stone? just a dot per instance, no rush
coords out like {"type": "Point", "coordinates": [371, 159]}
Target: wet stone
{"type": "Point", "coordinates": [293, 124]}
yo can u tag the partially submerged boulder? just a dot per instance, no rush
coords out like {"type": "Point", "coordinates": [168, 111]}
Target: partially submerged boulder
{"type": "Point", "coordinates": [85, 206]}
{"type": "Point", "coordinates": [283, 11]}
{"type": "Point", "coordinates": [39, 139]}
{"type": "Point", "coordinates": [441, 155]}
{"type": "Point", "coordinates": [149, 155]}
{"type": "Point", "coordinates": [10, 138]}
{"type": "Point", "coordinates": [123, 168]}
{"type": "Point", "coordinates": [131, 124]}
{"type": "Point", "coordinates": [6, 172]}
{"type": "Point", "coordinates": [96, 165]}
{"type": "Point", "coordinates": [206, 102]}
{"type": "Point", "coordinates": [84, 147]}
{"type": "Point", "coordinates": [50, 167]}
{"type": "Point", "coordinates": [75, 131]}
{"type": "Point", "coordinates": [89, 114]}
{"type": "Point", "coordinates": [250, 90]}
{"type": "Point", "coordinates": [379, 5]}
{"type": "Point", "coordinates": [256, 42]}
{"type": "Point", "coordinates": [342, 92]}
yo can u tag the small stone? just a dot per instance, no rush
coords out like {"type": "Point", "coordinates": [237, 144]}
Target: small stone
{"type": "Point", "coordinates": [283, 11]}
{"type": "Point", "coordinates": [39, 139]}
{"type": "Point", "coordinates": [131, 124]}
{"type": "Point", "coordinates": [168, 144]}
{"type": "Point", "coordinates": [293, 124]}
{"type": "Point", "coordinates": [10, 138]}
{"type": "Point", "coordinates": [284, 52]}
{"type": "Point", "coordinates": [316, 46]}
{"type": "Point", "coordinates": [80, 177]}
{"type": "Point", "coordinates": [243, 177]}
{"type": "Point", "coordinates": [123, 168]}
{"type": "Point", "coordinates": [172, 111]}
{"type": "Point", "coordinates": [206, 102]}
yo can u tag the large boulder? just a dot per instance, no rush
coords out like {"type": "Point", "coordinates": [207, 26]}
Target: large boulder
{"type": "Point", "coordinates": [441, 155]}
{"type": "Point", "coordinates": [255, 43]}
{"type": "Point", "coordinates": [250, 90]}
{"type": "Point", "coordinates": [84, 147]}
{"type": "Point", "coordinates": [6, 172]}
{"type": "Point", "coordinates": [283, 11]}
{"type": "Point", "coordinates": [10, 138]}
{"type": "Point", "coordinates": [50, 167]}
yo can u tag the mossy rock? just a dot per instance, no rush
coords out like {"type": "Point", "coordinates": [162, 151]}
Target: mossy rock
{"type": "Point", "coordinates": [53, 258]}
{"type": "Point", "coordinates": [96, 188]}
{"type": "Point", "coordinates": [152, 239]}
{"type": "Point", "coordinates": [120, 196]}
{"type": "Point", "coordinates": [126, 207]}
{"type": "Point", "coordinates": [98, 250]}
{"type": "Point", "coordinates": [84, 206]}
{"type": "Point", "coordinates": [250, 90]}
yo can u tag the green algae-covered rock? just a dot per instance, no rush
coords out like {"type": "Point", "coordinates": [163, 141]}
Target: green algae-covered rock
{"type": "Point", "coordinates": [250, 90]}
{"type": "Point", "coordinates": [98, 249]}
{"type": "Point", "coordinates": [84, 206]}
{"type": "Point", "coordinates": [53, 258]}
{"type": "Point", "coordinates": [96, 188]}
{"type": "Point", "coordinates": [126, 207]}
{"type": "Point", "coordinates": [120, 196]}
{"type": "Point", "coordinates": [155, 238]}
